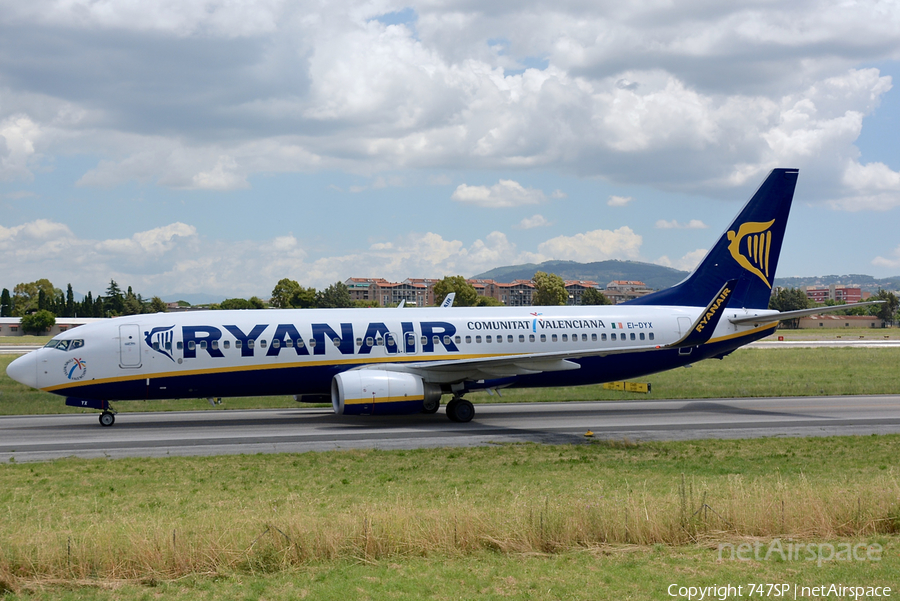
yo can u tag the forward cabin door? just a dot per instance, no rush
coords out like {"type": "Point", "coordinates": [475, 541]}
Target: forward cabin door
{"type": "Point", "coordinates": [130, 346]}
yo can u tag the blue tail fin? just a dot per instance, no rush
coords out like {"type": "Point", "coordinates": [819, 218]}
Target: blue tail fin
{"type": "Point", "coordinates": [747, 251]}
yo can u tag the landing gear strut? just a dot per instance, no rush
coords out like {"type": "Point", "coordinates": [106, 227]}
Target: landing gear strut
{"type": "Point", "coordinates": [460, 410]}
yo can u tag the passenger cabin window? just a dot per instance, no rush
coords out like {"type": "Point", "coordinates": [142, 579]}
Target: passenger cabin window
{"type": "Point", "coordinates": [553, 337]}
{"type": "Point", "coordinates": [262, 344]}
{"type": "Point", "coordinates": [509, 338]}
{"type": "Point", "coordinates": [603, 337]}
{"type": "Point", "coordinates": [612, 336]}
{"type": "Point", "coordinates": [593, 337]}
{"type": "Point", "coordinates": [487, 339]}
{"type": "Point", "coordinates": [227, 344]}
{"type": "Point", "coordinates": [642, 335]}
{"type": "Point", "coordinates": [651, 335]}
{"type": "Point", "coordinates": [543, 338]}
{"type": "Point", "coordinates": [565, 337]}
{"type": "Point", "coordinates": [237, 344]}
{"type": "Point", "coordinates": [478, 340]}
{"type": "Point", "coordinates": [632, 336]}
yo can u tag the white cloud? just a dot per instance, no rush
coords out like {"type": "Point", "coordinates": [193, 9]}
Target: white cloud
{"type": "Point", "coordinates": [892, 262]}
{"type": "Point", "coordinates": [597, 245]}
{"type": "Point", "coordinates": [619, 201]}
{"type": "Point", "coordinates": [693, 224]}
{"type": "Point", "coordinates": [17, 141]}
{"type": "Point", "coordinates": [532, 222]}
{"type": "Point", "coordinates": [505, 193]}
{"type": "Point", "coordinates": [685, 263]}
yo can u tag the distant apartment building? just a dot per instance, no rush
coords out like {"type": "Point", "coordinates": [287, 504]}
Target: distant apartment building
{"type": "Point", "coordinates": [575, 288]}
{"type": "Point", "coordinates": [416, 292]}
{"type": "Point", "coordinates": [839, 294]}
{"type": "Point", "coordinates": [619, 291]}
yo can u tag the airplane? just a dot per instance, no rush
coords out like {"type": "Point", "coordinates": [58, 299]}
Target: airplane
{"type": "Point", "coordinates": [380, 361]}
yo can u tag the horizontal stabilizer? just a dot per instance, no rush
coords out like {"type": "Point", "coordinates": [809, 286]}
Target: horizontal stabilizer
{"type": "Point", "coordinates": [798, 313]}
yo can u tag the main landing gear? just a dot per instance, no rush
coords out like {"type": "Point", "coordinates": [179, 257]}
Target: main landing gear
{"type": "Point", "coordinates": [460, 410]}
{"type": "Point", "coordinates": [107, 418]}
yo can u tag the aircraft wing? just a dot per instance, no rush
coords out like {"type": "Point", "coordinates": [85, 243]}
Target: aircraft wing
{"type": "Point", "coordinates": [502, 366]}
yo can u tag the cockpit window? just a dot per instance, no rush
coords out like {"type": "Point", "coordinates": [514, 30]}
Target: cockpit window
{"type": "Point", "coordinates": [65, 345]}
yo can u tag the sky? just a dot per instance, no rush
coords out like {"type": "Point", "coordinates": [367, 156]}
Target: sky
{"type": "Point", "coordinates": [218, 146]}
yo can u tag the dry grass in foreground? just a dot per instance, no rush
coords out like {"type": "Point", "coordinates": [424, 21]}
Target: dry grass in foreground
{"type": "Point", "coordinates": [165, 519]}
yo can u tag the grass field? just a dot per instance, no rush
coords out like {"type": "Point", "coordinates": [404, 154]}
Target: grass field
{"type": "Point", "coordinates": [746, 373]}
{"type": "Point", "coordinates": [602, 520]}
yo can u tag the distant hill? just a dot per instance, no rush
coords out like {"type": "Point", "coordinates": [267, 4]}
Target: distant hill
{"type": "Point", "coordinates": [602, 272]}
{"type": "Point", "coordinates": [866, 282]}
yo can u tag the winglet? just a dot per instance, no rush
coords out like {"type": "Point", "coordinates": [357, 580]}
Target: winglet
{"type": "Point", "coordinates": [702, 329]}
{"type": "Point", "coordinates": [448, 300]}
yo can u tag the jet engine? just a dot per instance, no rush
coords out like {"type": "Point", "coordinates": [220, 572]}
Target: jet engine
{"type": "Point", "coordinates": [379, 392]}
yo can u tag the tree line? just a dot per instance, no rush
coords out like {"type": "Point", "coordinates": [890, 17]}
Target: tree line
{"type": "Point", "coordinates": [28, 298]}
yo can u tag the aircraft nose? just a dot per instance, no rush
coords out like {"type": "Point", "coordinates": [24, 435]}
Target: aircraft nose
{"type": "Point", "coordinates": [24, 370]}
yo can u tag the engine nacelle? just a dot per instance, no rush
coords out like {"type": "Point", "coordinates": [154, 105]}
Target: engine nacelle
{"type": "Point", "coordinates": [377, 392]}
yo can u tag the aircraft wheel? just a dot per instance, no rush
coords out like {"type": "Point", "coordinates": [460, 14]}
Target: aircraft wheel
{"type": "Point", "coordinates": [107, 419]}
{"type": "Point", "coordinates": [431, 406]}
{"type": "Point", "coordinates": [460, 410]}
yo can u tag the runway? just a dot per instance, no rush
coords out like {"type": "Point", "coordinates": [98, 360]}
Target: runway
{"type": "Point", "coordinates": [219, 432]}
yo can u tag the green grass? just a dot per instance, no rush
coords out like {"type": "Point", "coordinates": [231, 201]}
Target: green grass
{"type": "Point", "coordinates": [598, 520]}
{"type": "Point", "coordinates": [19, 340]}
{"type": "Point", "coordinates": [746, 373]}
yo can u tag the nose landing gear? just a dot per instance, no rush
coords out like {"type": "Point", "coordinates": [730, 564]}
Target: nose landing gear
{"type": "Point", "coordinates": [107, 418]}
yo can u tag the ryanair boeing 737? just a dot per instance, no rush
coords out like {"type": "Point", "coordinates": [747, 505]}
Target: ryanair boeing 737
{"type": "Point", "coordinates": [389, 361]}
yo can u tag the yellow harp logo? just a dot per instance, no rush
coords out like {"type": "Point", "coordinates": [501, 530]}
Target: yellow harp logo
{"type": "Point", "coordinates": [752, 255]}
